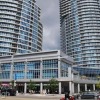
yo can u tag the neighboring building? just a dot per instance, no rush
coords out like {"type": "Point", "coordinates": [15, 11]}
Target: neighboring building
{"type": "Point", "coordinates": [80, 31]}
{"type": "Point", "coordinates": [88, 72]}
{"type": "Point", "coordinates": [20, 27]}
{"type": "Point", "coordinates": [40, 67]}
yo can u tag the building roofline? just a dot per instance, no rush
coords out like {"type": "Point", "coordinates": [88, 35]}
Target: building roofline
{"type": "Point", "coordinates": [19, 54]}
{"type": "Point", "coordinates": [43, 55]}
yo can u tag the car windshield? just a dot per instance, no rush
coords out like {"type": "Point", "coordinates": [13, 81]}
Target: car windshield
{"type": "Point", "coordinates": [89, 93]}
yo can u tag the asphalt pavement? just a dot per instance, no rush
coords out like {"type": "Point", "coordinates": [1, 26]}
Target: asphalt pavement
{"type": "Point", "coordinates": [36, 97]}
{"type": "Point", "coordinates": [26, 98]}
{"type": "Point", "coordinates": [33, 98]}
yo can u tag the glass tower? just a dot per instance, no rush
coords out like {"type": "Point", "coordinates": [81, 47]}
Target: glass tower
{"type": "Point", "coordinates": [20, 27]}
{"type": "Point", "coordinates": [80, 31]}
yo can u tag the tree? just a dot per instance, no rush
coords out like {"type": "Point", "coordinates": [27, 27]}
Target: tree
{"type": "Point", "coordinates": [0, 85]}
{"type": "Point", "coordinates": [31, 86]}
{"type": "Point", "coordinates": [98, 85]}
{"type": "Point", "coordinates": [98, 77]}
{"type": "Point", "coordinates": [53, 85]}
{"type": "Point", "coordinates": [12, 83]}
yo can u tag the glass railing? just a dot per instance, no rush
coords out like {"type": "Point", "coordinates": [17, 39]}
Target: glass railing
{"type": "Point", "coordinates": [85, 78]}
{"type": "Point", "coordinates": [89, 78]}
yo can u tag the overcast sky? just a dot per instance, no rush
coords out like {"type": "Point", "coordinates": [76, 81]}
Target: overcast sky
{"type": "Point", "coordinates": [51, 23]}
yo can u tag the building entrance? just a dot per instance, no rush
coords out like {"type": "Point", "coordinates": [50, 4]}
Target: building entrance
{"type": "Point", "coordinates": [20, 88]}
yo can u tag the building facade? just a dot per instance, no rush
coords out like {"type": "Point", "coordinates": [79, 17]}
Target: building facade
{"type": "Point", "coordinates": [41, 67]}
{"type": "Point", "coordinates": [20, 27]}
{"type": "Point", "coordinates": [92, 73]}
{"type": "Point", "coordinates": [80, 31]}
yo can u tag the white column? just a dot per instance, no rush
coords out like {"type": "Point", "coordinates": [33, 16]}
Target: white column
{"type": "Point", "coordinates": [25, 70]}
{"type": "Point", "coordinates": [15, 83]}
{"type": "Point", "coordinates": [12, 67]}
{"type": "Point", "coordinates": [59, 87]}
{"type": "Point", "coordinates": [94, 87]}
{"type": "Point", "coordinates": [41, 87]}
{"type": "Point", "coordinates": [69, 73]}
{"type": "Point", "coordinates": [78, 88]}
{"type": "Point", "coordinates": [59, 75]}
{"type": "Point", "coordinates": [25, 87]}
{"type": "Point", "coordinates": [70, 87]}
{"type": "Point", "coordinates": [85, 87]}
{"type": "Point", "coordinates": [11, 72]}
{"type": "Point", "coordinates": [41, 69]}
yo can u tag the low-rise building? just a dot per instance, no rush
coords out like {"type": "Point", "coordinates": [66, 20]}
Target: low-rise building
{"type": "Point", "coordinates": [40, 67]}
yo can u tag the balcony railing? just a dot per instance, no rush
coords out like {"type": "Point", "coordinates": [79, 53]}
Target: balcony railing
{"type": "Point", "coordinates": [86, 78]}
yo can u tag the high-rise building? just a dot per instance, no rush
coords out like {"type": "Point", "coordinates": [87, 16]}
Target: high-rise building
{"type": "Point", "coordinates": [21, 30]}
{"type": "Point", "coordinates": [80, 31]}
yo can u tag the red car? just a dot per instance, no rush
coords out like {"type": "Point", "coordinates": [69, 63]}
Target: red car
{"type": "Point", "coordinates": [71, 98]}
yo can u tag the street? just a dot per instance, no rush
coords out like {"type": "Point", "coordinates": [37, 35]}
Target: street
{"type": "Point", "coordinates": [27, 98]}
{"type": "Point", "coordinates": [33, 98]}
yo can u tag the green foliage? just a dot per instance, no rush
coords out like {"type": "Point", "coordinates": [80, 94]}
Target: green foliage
{"type": "Point", "coordinates": [98, 77]}
{"type": "Point", "coordinates": [12, 83]}
{"type": "Point", "coordinates": [46, 86]}
{"type": "Point", "coordinates": [53, 85]}
{"type": "Point", "coordinates": [98, 85]}
{"type": "Point", "coordinates": [31, 85]}
{"type": "Point", "coordinates": [0, 85]}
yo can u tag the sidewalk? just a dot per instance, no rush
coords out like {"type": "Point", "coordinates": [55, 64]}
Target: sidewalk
{"type": "Point", "coordinates": [27, 94]}
{"type": "Point", "coordinates": [55, 96]}
{"type": "Point", "coordinates": [20, 98]}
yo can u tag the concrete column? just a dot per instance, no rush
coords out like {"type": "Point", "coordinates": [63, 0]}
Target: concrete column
{"type": "Point", "coordinates": [25, 87]}
{"type": "Point", "coordinates": [15, 83]}
{"type": "Point", "coordinates": [70, 87]}
{"type": "Point", "coordinates": [94, 87]}
{"type": "Point", "coordinates": [69, 73]}
{"type": "Point", "coordinates": [0, 71]}
{"type": "Point", "coordinates": [11, 72]}
{"type": "Point", "coordinates": [85, 87]}
{"type": "Point", "coordinates": [25, 70]}
{"type": "Point", "coordinates": [59, 87]}
{"type": "Point", "coordinates": [41, 87]}
{"type": "Point", "coordinates": [59, 74]}
{"type": "Point", "coordinates": [41, 69]}
{"type": "Point", "coordinates": [72, 76]}
{"type": "Point", "coordinates": [12, 68]}
{"type": "Point", "coordinates": [78, 88]}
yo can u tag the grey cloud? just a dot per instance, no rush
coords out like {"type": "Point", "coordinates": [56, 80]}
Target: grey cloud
{"type": "Point", "coordinates": [50, 19]}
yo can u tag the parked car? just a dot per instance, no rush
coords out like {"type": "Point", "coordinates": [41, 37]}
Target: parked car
{"type": "Point", "coordinates": [7, 90]}
{"type": "Point", "coordinates": [98, 98]}
{"type": "Point", "coordinates": [89, 95]}
{"type": "Point", "coordinates": [77, 95]}
{"type": "Point", "coordinates": [70, 98]}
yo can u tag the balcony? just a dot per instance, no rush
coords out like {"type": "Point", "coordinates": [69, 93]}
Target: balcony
{"type": "Point", "coordinates": [85, 79]}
